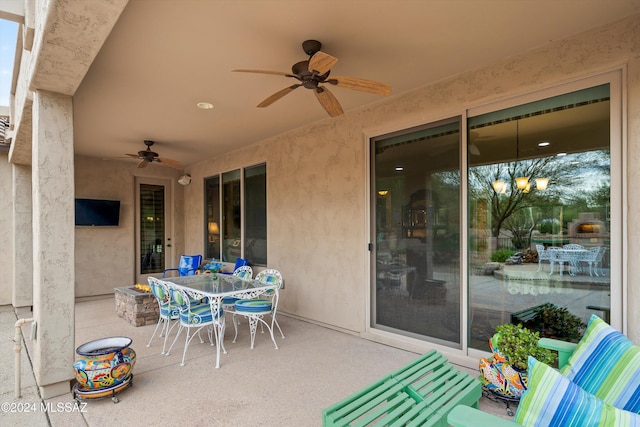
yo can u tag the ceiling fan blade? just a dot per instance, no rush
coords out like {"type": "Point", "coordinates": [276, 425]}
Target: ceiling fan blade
{"type": "Point", "coordinates": [362, 85]}
{"type": "Point", "coordinates": [279, 94]}
{"type": "Point", "coordinates": [277, 73]}
{"type": "Point", "coordinates": [143, 163]}
{"type": "Point", "coordinates": [169, 162]}
{"type": "Point", "coordinates": [132, 155]}
{"type": "Point", "coordinates": [328, 101]}
{"type": "Point", "coordinates": [321, 62]}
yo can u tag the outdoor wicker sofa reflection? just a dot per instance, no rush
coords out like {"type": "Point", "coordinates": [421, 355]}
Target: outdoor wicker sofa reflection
{"type": "Point", "coordinates": [212, 288]}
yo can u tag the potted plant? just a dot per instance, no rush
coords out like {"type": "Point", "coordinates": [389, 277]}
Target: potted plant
{"type": "Point", "coordinates": [557, 322]}
{"type": "Point", "coordinates": [505, 372]}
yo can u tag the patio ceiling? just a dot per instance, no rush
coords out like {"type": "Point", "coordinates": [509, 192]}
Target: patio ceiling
{"type": "Point", "coordinates": [163, 57]}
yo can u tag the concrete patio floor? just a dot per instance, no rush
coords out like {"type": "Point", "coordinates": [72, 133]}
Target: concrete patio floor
{"type": "Point", "coordinates": [313, 368]}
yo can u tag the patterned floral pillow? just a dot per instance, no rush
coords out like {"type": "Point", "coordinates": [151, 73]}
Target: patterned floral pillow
{"type": "Point", "coordinates": [553, 400]}
{"type": "Point", "coordinates": [606, 364]}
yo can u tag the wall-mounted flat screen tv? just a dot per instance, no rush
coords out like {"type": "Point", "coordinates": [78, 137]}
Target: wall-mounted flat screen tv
{"type": "Point", "coordinates": [94, 212]}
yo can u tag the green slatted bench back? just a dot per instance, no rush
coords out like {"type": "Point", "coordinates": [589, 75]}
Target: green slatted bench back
{"type": "Point", "coordinates": [420, 393]}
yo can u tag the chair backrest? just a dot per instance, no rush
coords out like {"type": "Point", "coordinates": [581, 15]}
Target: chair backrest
{"type": "Point", "coordinates": [270, 277]}
{"type": "Point", "coordinates": [573, 246]}
{"type": "Point", "coordinates": [189, 264]}
{"type": "Point", "coordinates": [158, 290]}
{"type": "Point", "coordinates": [240, 262]}
{"type": "Point", "coordinates": [542, 254]}
{"type": "Point", "coordinates": [243, 272]}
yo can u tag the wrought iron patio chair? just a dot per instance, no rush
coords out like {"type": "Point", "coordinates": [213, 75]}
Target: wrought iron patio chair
{"type": "Point", "coordinates": [197, 316]}
{"type": "Point", "coordinates": [243, 272]}
{"type": "Point", "coordinates": [168, 311]}
{"type": "Point", "coordinates": [543, 255]}
{"type": "Point", "coordinates": [255, 310]}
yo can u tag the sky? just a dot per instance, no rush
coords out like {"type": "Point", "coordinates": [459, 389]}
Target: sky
{"type": "Point", "coordinates": [8, 35]}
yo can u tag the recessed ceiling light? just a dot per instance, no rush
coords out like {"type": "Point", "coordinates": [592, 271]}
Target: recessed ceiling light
{"type": "Point", "coordinates": [399, 168]}
{"type": "Point", "coordinates": [544, 144]}
{"type": "Point", "coordinates": [205, 105]}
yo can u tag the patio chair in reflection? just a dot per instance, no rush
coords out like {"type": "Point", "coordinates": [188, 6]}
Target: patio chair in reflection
{"type": "Point", "coordinates": [543, 255]}
{"type": "Point", "coordinates": [571, 246]}
{"type": "Point", "coordinates": [591, 258]}
{"type": "Point", "coordinates": [255, 310]}
{"type": "Point", "coordinates": [198, 317]}
{"type": "Point", "coordinates": [168, 311]}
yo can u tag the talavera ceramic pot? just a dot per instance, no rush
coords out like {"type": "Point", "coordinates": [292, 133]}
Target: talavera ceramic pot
{"type": "Point", "coordinates": [104, 363]}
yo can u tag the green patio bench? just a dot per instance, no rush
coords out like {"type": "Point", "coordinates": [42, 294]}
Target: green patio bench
{"type": "Point", "coordinates": [526, 315]}
{"type": "Point", "coordinates": [420, 393]}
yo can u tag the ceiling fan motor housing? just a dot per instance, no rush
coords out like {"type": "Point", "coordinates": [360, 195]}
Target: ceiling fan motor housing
{"type": "Point", "coordinates": [311, 46]}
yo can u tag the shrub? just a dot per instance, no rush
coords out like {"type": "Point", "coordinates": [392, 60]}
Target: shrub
{"type": "Point", "coordinates": [501, 255]}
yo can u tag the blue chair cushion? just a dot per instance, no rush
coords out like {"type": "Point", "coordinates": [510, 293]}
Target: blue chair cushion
{"type": "Point", "coordinates": [253, 305]}
{"type": "Point", "coordinates": [172, 312]}
{"type": "Point", "coordinates": [198, 314]}
{"type": "Point", "coordinates": [229, 300]}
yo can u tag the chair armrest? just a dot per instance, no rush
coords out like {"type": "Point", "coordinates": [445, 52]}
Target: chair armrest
{"type": "Point", "coordinates": [168, 269]}
{"type": "Point", "coordinates": [564, 349]}
{"type": "Point", "coordinates": [466, 416]}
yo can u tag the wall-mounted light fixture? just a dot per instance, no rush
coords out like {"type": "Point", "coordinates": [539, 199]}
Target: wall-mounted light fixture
{"type": "Point", "coordinates": [184, 180]}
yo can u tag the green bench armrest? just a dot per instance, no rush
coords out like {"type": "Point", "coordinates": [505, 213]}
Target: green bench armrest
{"type": "Point", "coordinates": [466, 416]}
{"type": "Point", "coordinates": [564, 349]}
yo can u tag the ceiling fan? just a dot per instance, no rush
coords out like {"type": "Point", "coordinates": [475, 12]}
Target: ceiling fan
{"type": "Point", "coordinates": [147, 156]}
{"type": "Point", "coordinates": [314, 73]}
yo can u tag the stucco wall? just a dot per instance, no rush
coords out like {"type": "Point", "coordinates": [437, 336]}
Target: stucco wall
{"type": "Point", "coordinates": [6, 231]}
{"type": "Point", "coordinates": [317, 175]}
{"type": "Point", "coordinates": [105, 256]}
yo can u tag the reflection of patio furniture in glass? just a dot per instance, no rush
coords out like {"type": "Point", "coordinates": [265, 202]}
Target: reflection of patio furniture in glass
{"type": "Point", "coordinates": [598, 270]}
{"type": "Point", "coordinates": [572, 246]}
{"type": "Point", "coordinates": [570, 256]}
{"type": "Point", "coordinates": [591, 258]}
{"type": "Point", "coordinates": [543, 255]}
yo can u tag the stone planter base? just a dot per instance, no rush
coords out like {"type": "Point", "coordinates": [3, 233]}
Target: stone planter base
{"type": "Point", "coordinates": [136, 307]}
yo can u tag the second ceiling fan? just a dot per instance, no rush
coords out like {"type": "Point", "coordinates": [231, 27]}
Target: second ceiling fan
{"type": "Point", "coordinates": [314, 74]}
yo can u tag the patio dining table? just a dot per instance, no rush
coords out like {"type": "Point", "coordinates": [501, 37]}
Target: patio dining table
{"type": "Point", "coordinates": [571, 256]}
{"type": "Point", "coordinates": [215, 287]}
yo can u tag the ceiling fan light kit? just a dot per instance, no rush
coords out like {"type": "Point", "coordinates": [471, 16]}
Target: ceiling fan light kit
{"type": "Point", "coordinates": [315, 72]}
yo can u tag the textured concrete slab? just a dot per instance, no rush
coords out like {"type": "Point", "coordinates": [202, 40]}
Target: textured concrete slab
{"type": "Point", "coordinates": [314, 368]}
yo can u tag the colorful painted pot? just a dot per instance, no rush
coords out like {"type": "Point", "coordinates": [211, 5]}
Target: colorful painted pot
{"type": "Point", "coordinates": [104, 363]}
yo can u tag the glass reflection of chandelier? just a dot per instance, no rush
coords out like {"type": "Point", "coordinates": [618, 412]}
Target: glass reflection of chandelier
{"type": "Point", "coordinates": [522, 182]}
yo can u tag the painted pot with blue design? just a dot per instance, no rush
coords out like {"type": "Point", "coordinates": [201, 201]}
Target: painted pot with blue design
{"type": "Point", "coordinates": [104, 363]}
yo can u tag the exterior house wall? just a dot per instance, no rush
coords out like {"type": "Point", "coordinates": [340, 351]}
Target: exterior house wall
{"type": "Point", "coordinates": [105, 256]}
{"type": "Point", "coordinates": [6, 231]}
{"type": "Point", "coordinates": [317, 175]}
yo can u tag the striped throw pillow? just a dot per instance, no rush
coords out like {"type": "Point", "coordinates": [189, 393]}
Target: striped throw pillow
{"type": "Point", "coordinates": [606, 364]}
{"type": "Point", "coordinates": [553, 400]}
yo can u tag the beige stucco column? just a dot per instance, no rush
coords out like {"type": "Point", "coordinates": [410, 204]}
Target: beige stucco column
{"type": "Point", "coordinates": [53, 242]}
{"type": "Point", "coordinates": [22, 236]}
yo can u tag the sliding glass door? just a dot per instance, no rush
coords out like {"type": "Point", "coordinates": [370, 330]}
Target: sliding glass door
{"type": "Point", "coordinates": [416, 258]}
{"type": "Point", "coordinates": [541, 226]}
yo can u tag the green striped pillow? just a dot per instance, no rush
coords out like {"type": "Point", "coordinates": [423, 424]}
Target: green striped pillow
{"type": "Point", "coordinates": [606, 364]}
{"type": "Point", "coordinates": [553, 400]}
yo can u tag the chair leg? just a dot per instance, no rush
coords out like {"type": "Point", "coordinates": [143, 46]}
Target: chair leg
{"type": "Point", "coordinates": [235, 326]}
{"type": "Point", "coordinates": [175, 339]}
{"type": "Point", "coordinates": [160, 321]}
{"type": "Point", "coordinates": [168, 332]}
{"type": "Point", "coordinates": [278, 325]}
